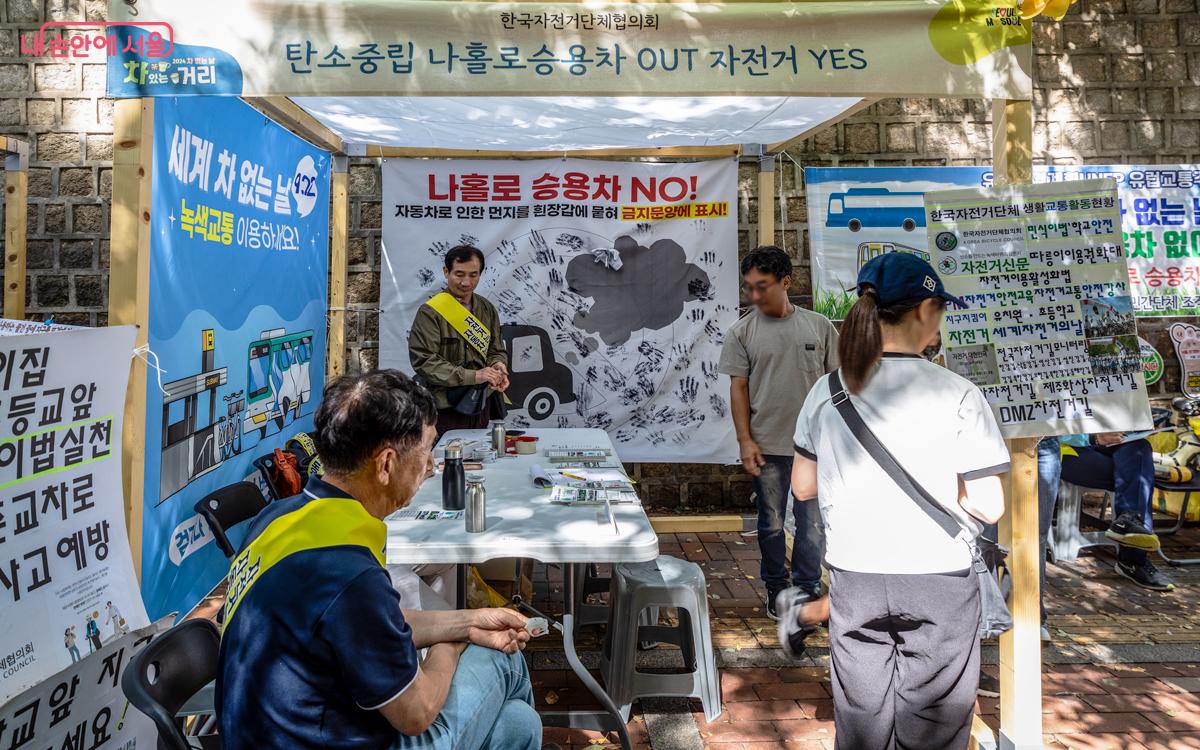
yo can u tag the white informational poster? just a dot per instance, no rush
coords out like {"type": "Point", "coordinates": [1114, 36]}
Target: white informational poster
{"type": "Point", "coordinates": [1049, 332]}
{"type": "Point", "coordinates": [82, 706]}
{"type": "Point", "coordinates": [615, 283]}
{"type": "Point", "coordinates": [67, 584]}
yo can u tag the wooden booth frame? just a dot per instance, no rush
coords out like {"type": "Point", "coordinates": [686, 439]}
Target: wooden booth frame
{"type": "Point", "coordinates": [16, 212]}
{"type": "Point", "coordinates": [1012, 148]}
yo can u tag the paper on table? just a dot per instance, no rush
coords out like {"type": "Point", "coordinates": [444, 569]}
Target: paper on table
{"type": "Point", "coordinates": [543, 478]}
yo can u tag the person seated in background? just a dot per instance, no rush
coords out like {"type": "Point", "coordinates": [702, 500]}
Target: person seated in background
{"type": "Point", "coordinates": [318, 649]}
{"type": "Point", "coordinates": [1126, 469]}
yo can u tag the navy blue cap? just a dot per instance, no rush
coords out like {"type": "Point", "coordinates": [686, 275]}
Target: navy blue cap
{"type": "Point", "coordinates": [900, 276]}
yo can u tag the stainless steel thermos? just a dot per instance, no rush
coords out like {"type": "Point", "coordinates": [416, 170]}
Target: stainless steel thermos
{"type": "Point", "coordinates": [476, 504]}
{"type": "Point", "coordinates": [498, 437]}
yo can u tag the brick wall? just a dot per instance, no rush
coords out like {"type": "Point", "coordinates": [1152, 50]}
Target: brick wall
{"type": "Point", "coordinates": [1117, 81]}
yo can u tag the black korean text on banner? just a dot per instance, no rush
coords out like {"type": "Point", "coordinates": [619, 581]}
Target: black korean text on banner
{"type": "Point", "coordinates": [1049, 332]}
{"type": "Point", "coordinates": [82, 706]}
{"type": "Point", "coordinates": [67, 584]}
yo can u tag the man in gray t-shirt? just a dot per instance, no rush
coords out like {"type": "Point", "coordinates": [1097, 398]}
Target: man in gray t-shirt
{"type": "Point", "coordinates": [773, 355]}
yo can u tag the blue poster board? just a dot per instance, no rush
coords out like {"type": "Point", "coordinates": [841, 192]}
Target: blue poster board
{"type": "Point", "coordinates": [239, 265]}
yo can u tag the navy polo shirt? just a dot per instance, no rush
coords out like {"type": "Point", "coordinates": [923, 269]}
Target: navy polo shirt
{"type": "Point", "coordinates": [317, 642]}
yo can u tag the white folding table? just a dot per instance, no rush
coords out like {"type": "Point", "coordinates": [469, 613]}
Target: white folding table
{"type": "Point", "coordinates": [522, 522]}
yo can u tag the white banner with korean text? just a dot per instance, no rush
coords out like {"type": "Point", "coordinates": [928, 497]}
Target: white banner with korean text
{"type": "Point", "coordinates": [615, 283]}
{"type": "Point", "coordinates": [1049, 332]}
{"type": "Point", "coordinates": [969, 48]}
{"type": "Point", "coordinates": [83, 706]}
{"type": "Point", "coordinates": [67, 584]}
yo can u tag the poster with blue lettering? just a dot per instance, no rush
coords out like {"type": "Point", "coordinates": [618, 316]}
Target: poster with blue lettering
{"type": "Point", "coordinates": [238, 282]}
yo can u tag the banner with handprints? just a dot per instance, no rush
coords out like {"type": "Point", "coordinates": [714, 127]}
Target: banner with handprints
{"type": "Point", "coordinates": [615, 283]}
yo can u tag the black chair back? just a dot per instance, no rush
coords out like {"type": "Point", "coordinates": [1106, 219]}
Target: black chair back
{"type": "Point", "coordinates": [266, 469]}
{"type": "Point", "coordinates": [229, 506]}
{"type": "Point", "coordinates": [163, 676]}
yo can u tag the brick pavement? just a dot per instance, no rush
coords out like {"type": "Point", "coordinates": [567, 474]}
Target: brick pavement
{"type": "Point", "coordinates": [1123, 672]}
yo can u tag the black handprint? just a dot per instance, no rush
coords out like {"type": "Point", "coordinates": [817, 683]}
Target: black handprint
{"type": "Point", "coordinates": [701, 289]}
{"type": "Point", "coordinates": [650, 352]}
{"type": "Point", "coordinates": [613, 379]}
{"type": "Point", "coordinates": [718, 405]}
{"type": "Point", "coordinates": [599, 420]}
{"type": "Point", "coordinates": [510, 302]}
{"type": "Point", "coordinates": [687, 389]}
{"type": "Point", "coordinates": [572, 241]}
{"type": "Point", "coordinates": [688, 417]}
{"type": "Point", "coordinates": [709, 370]}
{"type": "Point", "coordinates": [507, 251]}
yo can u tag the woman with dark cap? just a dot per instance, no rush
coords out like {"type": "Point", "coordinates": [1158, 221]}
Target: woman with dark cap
{"type": "Point", "coordinates": [903, 604]}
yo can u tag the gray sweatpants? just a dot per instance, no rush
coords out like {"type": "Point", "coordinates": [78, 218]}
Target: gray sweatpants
{"type": "Point", "coordinates": [905, 659]}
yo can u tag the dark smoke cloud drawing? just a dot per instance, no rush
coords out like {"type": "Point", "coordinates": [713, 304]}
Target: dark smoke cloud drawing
{"type": "Point", "coordinates": [648, 292]}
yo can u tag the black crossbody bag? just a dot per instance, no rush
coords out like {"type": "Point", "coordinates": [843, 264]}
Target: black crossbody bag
{"type": "Point", "coordinates": [995, 618]}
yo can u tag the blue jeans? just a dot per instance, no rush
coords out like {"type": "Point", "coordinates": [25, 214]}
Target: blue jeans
{"type": "Point", "coordinates": [774, 488]}
{"type": "Point", "coordinates": [1125, 470]}
{"type": "Point", "coordinates": [490, 707]}
{"type": "Point", "coordinates": [1049, 474]}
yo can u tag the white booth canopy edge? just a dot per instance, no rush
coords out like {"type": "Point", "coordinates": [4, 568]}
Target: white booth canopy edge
{"type": "Point", "coordinates": [571, 124]}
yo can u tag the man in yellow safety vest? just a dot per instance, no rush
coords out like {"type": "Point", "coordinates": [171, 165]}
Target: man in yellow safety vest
{"type": "Point", "coordinates": [456, 348]}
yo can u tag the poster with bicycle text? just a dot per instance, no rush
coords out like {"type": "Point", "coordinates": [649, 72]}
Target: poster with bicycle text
{"type": "Point", "coordinates": [615, 283]}
{"type": "Point", "coordinates": [856, 213]}
{"type": "Point", "coordinates": [238, 279]}
{"type": "Point", "coordinates": [67, 584]}
{"type": "Point", "coordinates": [1049, 332]}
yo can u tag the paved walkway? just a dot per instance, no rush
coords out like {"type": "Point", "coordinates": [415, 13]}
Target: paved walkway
{"type": "Point", "coordinates": [1123, 671]}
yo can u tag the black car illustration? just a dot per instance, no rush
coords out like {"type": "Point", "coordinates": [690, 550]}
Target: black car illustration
{"type": "Point", "coordinates": [537, 382]}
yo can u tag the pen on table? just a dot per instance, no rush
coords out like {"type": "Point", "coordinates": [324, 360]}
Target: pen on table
{"type": "Point", "coordinates": [573, 476]}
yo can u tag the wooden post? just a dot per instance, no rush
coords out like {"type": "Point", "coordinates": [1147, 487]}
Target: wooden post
{"type": "Point", "coordinates": [1020, 648]}
{"type": "Point", "coordinates": [129, 287]}
{"type": "Point", "coordinates": [16, 202]}
{"type": "Point", "coordinates": [335, 362]}
{"type": "Point", "coordinates": [766, 199]}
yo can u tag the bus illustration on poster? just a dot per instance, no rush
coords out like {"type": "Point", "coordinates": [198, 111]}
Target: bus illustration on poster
{"type": "Point", "coordinates": [274, 392]}
{"type": "Point", "coordinates": [238, 289]}
{"type": "Point", "coordinates": [859, 213]}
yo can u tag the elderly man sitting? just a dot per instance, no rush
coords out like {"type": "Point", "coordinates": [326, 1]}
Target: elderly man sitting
{"type": "Point", "coordinates": [317, 651]}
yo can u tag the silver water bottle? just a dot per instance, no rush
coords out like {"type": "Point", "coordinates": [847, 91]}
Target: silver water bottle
{"type": "Point", "coordinates": [476, 504]}
{"type": "Point", "coordinates": [498, 437]}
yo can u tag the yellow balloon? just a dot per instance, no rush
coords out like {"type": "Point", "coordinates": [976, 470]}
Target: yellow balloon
{"type": "Point", "coordinates": [1056, 9]}
{"type": "Point", "coordinates": [1031, 8]}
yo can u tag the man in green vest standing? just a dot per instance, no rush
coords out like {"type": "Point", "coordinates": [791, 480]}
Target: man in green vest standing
{"type": "Point", "coordinates": [455, 346]}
